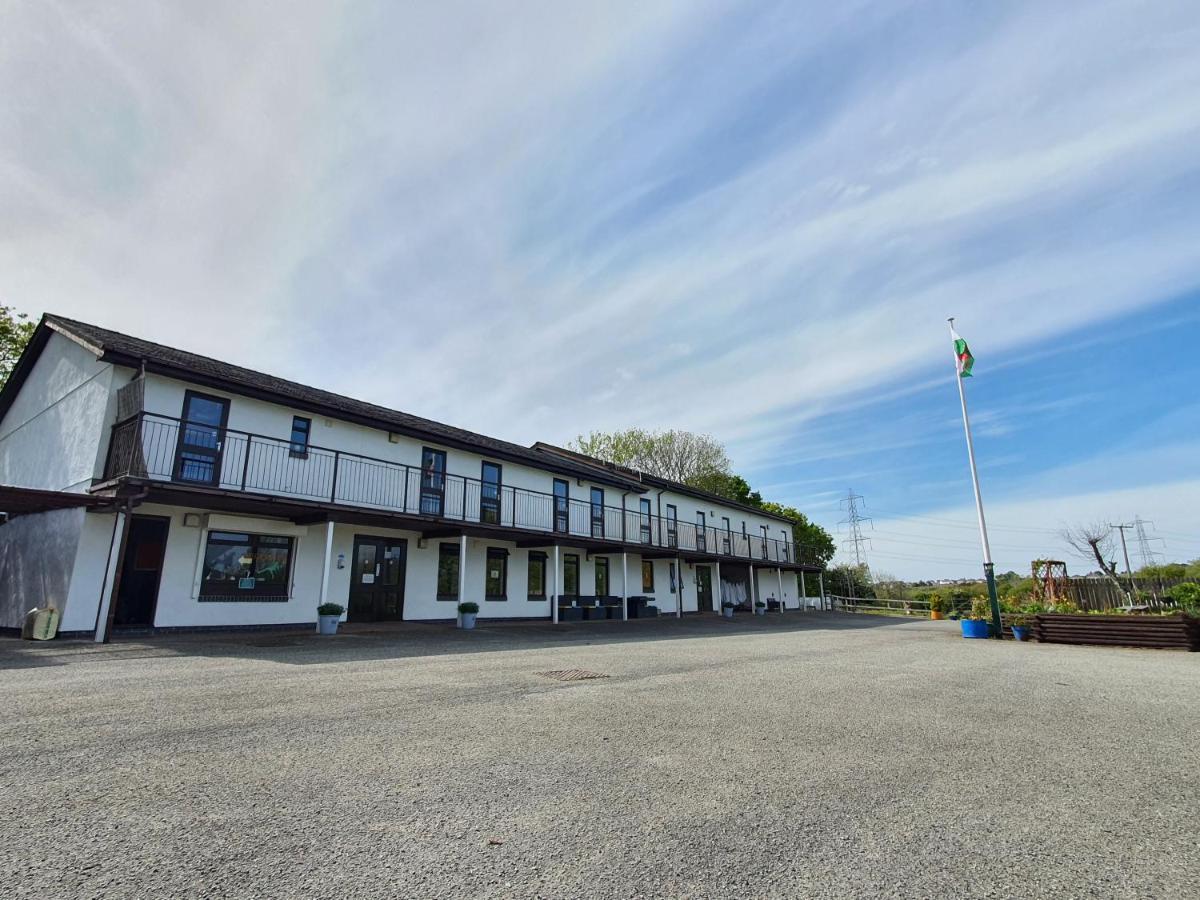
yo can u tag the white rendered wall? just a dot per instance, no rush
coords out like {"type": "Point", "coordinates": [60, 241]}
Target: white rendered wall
{"type": "Point", "coordinates": [53, 434]}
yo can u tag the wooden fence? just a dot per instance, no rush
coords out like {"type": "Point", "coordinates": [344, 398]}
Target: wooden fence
{"type": "Point", "coordinates": [1097, 592]}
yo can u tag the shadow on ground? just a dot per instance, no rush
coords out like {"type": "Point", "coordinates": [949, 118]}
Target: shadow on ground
{"type": "Point", "coordinates": [403, 640]}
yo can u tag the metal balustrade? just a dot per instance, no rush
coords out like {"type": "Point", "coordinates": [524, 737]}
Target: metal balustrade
{"type": "Point", "coordinates": [162, 448]}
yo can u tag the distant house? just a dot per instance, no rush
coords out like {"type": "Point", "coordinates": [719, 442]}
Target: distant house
{"type": "Point", "coordinates": [151, 487]}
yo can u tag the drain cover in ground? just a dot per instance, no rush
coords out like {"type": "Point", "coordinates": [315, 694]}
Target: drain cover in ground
{"type": "Point", "coordinates": [571, 675]}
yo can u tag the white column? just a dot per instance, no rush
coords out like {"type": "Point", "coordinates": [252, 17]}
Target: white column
{"type": "Point", "coordinates": [462, 570]}
{"type": "Point", "coordinates": [108, 585]}
{"type": "Point", "coordinates": [803, 592]}
{"type": "Point", "coordinates": [554, 594]}
{"type": "Point", "coordinates": [753, 589]}
{"type": "Point", "coordinates": [780, 571]}
{"type": "Point", "coordinates": [678, 588]}
{"type": "Point", "coordinates": [720, 596]}
{"type": "Point", "coordinates": [821, 577]}
{"type": "Point", "coordinates": [625, 586]}
{"type": "Point", "coordinates": [326, 565]}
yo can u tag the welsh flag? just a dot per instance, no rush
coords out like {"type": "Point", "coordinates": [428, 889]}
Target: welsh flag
{"type": "Point", "coordinates": [963, 352]}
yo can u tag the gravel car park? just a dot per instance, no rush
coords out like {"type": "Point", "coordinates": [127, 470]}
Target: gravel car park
{"type": "Point", "coordinates": [809, 754]}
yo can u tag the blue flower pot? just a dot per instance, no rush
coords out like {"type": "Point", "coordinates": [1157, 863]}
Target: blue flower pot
{"type": "Point", "coordinates": [1021, 632]}
{"type": "Point", "coordinates": [974, 628]}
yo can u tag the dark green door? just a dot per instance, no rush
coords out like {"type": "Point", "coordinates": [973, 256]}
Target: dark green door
{"type": "Point", "coordinates": [377, 582]}
{"type": "Point", "coordinates": [704, 595]}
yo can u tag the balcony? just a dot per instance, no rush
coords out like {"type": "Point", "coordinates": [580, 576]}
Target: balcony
{"type": "Point", "coordinates": [164, 450]}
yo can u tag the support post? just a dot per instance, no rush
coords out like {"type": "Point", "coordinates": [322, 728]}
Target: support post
{"type": "Point", "coordinates": [112, 576]}
{"type": "Point", "coordinates": [462, 568]}
{"type": "Point", "coordinates": [821, 577]}
{"type": "Point", "coordinates": [780, 573]}
{"type": "Point", "coordinates": [326, 566]}
{"type": "Point", "coordinates": [753, 591]}
{"type": "Point", "coordinates": [720, 598]}
{"type": "Point", "coordinates": [624, 583]}
{"type": "Point", "coordinates": [554, 593]}
{"type": "Point", "coordinates": [678, 588]}
{"type": "Point", "coordinates": [803, 593]}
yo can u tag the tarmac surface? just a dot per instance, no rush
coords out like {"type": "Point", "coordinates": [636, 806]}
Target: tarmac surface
{"type": "Point", "coordinates": [811, 754]}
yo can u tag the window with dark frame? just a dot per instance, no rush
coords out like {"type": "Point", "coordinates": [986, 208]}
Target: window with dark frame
{"type": "Point", "coordinates": [433, 481]}
{"type": "Point", "coordinates": [562, 506]}
{"type": "Point", "coordinates": [672, 525]}
{"type": "Point", "coordinates": [570, 575]}
{"type": "Point", "coordinates": [671, 569]}
{"type": "Point", "coordinates": [601, 573]}
{"type": "Point", "coordinates": [644, 523]}
{"type": "Point", "coordinates": [447, 578]}
{"type": "Point", "coordinates": [489, 493]}
{"type": "Point", "coordinates": [301, 430]}
{"type": "Point", "coordinates": [495, 582]}
{"type": "Point", "coordinates": [597, 512]}
{"type": "Point", "coordinates": [727, 536]}
{"type": "Point", "coordinates": [537, 576]}
{"type": "Point", "coordinates": [239, 566]}
{"type": "Point", "coordinates": [784, 546]}
{"type": "Point", "coordinates": [765, 538]}
{"type": "Point", "coordinates": [648, 576]}
{"type": "Point", "coordinates": [701, 536]}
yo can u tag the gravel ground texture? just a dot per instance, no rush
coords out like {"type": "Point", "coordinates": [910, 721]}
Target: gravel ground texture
{"type": "Point", "coordinates": [803, 755]}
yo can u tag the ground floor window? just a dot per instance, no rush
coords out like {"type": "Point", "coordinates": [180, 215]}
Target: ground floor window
{"type": "Point", "coordinates": [537, 576]}
{"type": "Point", "coordinates": [448, 562]}
{"type": "Point", "coordinates": [647, 576]}
{"type": "Point", "coordinates": [570, 575]}
{"type": "Point", "coordinates": [495, 585]}
{"type": "Point", "coordinates": [601, 576]}
{"type": "Point", "coordinates": [246, 566]}
{"type": "Point", "coordinates": [672, 570]}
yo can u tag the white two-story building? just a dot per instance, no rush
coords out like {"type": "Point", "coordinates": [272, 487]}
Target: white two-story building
{"type": "Point", "coordinates": [148, 487]}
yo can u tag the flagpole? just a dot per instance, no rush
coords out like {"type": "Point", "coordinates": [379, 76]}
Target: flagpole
{"type": "Point", "coordinates": [988, 568]}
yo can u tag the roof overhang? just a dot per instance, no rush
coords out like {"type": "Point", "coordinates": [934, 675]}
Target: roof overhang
{"type": "Point", "coordinates": [20, 501]}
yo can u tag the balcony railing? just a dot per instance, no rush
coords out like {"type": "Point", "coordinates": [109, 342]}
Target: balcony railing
{"type": "Point", "coordinates": [162, 448]}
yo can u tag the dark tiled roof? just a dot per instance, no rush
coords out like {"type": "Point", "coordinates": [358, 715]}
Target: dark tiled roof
{"type": "Point", "coordinates": [131, 351]}
{"type": "Point", "coordinates": [652, 480]}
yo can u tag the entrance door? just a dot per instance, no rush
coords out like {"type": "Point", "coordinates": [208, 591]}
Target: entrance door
{"type": "Point", "coordinates": [201, 434]}
{"type": "Point", "coordinates": [377, 582]}
{"type": "Point", "coordinates": [141, 571]}
{"type": "Point", "coordinates": [704, 594]}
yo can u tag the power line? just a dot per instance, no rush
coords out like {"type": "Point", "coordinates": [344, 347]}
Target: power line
{"type": "Point", "coordinates": [960, 523]}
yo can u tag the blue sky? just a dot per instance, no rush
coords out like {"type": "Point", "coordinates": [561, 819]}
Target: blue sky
{"type": "Point", "coordinates": [750, 220]}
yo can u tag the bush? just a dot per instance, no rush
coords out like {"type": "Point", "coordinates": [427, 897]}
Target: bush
{"type": "Point", "coordinates": [980, 608]}
{"type": "Point", "coordinates": [468, 607]}
{"type": "Point", "coordinates": [330, 609]}
{"type": "Point", "coordinates": [936, 603]}
{"type": "Point", "coordinates": [1186, 595]}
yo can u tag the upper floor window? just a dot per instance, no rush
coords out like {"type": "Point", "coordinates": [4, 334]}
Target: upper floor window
{"type": "Point", "coordinates": [597, 512]}
{"type": "Point", "coordinates": [301, 429]}
{"type": "Point", "coordinates": [433, 481]}
{"type": "Point", "coordinates": [726, 535]}
{"type": "Point", "coordinates": [562, 506]}
{"type": "Point", "coordinates": [701, 537]}
{"type": "Point", "coordinates": [672, 525]}
{"type": "Point", "coordinates": [644, 516]}
{"type": "Point", "coordinates": [764, 541]}
{"type": "Point", "coordinates": [784, 545]}
{"type": "Point", "coordinates": [201, 439]}
{"type": "Point", "coordinates": [489, 494]}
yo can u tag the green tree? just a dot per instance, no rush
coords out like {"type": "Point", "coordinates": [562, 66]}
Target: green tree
{"type": "Point", "coordinates": [817, 546]}
{"type": "Point", "coordinates": [728, 485]}
{"type": "Point", "coordinates": [15, 331]}
{"type": "Point", "coordinates": [678, 455]}
{"type": "Point", "coordinates": [849, 580]}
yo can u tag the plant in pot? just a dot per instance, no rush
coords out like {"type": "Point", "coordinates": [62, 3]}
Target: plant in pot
{"type": "Point", "coordinates": [760, 608]}
{"type": "Point", "coordinates": [727, 609]}
{"type": "Point", "coordinates": [937, 606]}
{"type": "Point", "coordinates": [1020, 626]}
{"type": "Point", "coordinates": [466, 615]}
{"type": "Point", "coordinates": [328, 616]}
{"type": "Point", "coordinates": [975, 623]}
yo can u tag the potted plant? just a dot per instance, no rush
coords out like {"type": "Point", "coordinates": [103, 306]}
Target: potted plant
{"type": "Point", "coordinates": [760, 608]}
{"type": "Point", "coordinates": [466, 615]}
{"type": "Point", "coordinates": [1020, 626]}
{"type": "Point", "coordinates": [975, 623]}
{"type": "Point", "coordinates": [937, 606]}
{"type": "Point", "coordinates": [727, 608]}
{"type": "Point", "coordinates": [328, 616]}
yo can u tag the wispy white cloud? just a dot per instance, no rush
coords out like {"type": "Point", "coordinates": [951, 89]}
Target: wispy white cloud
{"type": "Point", "coordinates": [538, 219]}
